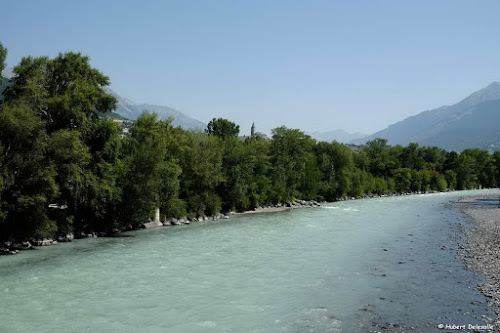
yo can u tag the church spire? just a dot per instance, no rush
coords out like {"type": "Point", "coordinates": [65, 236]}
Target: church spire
{"type": "Point", "coordinates": [252, 132]}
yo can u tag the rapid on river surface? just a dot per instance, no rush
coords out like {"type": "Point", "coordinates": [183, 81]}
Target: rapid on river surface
{"type": "Point", "coordinates": [352, 266]}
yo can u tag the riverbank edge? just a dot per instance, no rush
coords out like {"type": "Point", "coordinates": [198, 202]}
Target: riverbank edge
{"type": "Point", "coordinates": [8, 248]}
{"type": "Point", "coordinates": [480, 249]}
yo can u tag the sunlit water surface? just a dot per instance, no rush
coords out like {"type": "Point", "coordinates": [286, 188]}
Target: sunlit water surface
{"type": "Point", "coordinates": [344, 267]}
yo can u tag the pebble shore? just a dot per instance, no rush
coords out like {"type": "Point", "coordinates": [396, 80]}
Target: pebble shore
{"type": "Point", "coordinates": [481, 251]}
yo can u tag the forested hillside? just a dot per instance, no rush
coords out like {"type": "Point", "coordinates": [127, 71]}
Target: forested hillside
{"type": "Point", "coordinates": [55, 150]}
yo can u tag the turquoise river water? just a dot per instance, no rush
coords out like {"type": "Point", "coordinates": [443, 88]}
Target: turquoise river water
{"type": "Point", "coordinates": [353, 266]}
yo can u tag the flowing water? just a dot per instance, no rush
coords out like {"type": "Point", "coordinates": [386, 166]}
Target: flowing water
{"type": "Point", "coordinates": [353, 266]}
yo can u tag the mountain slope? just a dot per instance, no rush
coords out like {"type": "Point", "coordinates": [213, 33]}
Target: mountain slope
{"type": "Point", "coordinates": [127, 109]}
{"type": "Point", "coordinates": [336, 135]}
{"type": "Point", "coordinates": [467, 124]}
{"type": "Point", "coordinates": [131, 110]}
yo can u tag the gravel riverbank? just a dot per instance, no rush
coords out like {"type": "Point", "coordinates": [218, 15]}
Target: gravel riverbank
{"type": "Point", "coordinates": [481, 250]}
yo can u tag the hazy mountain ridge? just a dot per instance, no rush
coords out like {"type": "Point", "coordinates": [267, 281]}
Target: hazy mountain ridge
{"type": "Point", "coordinates": [470, 123]}
{"type": "Point", "coordinates": [132, 110]}
{"type": "Point", "coordinates": [456, 127]}
{"type": "Point", "coordinates": [128, 109]}
{"type": "Point", "coordinates": [338, 135]}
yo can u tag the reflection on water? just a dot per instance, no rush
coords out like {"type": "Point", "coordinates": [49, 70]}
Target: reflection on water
{"type": "Point", "coordinates": [353, 266]}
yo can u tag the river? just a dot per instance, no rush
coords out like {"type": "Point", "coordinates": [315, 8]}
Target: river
{"type": "Point", "coordinates": [352, 266]}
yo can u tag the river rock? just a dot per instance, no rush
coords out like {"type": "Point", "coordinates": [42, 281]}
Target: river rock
{"type": "Point", "coordinates": [150, 225]}
{"type": "Point", "coordinates": [5, 251]}
{"type": "Point", "coordinates": [22, 246]}
{"type": "Point", "coordinates": [44, 242]}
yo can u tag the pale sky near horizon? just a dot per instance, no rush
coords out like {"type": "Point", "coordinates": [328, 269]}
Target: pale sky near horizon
{"type": "Point", "coordinates": [313, 65]}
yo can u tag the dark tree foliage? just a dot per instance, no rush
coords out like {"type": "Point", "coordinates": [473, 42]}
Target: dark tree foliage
{"type": "Point", "coordinates": [222, 128]}
{"type": "Point", "coordinates": [3, 56]}
{"type": "Point", "coordinates": [64, 169]}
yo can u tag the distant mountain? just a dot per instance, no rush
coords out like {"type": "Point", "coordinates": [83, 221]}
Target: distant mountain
{"type": "Point", "coordinates": [336, 135]}
{"type": "Point", "coordinates": [471, 123]}
{"type": "Point", "coordinates": [131, 110]}
{"type": "Point", "coordinates": [127, 109]}
{"type": "Point", "coordinates": [8, 72]}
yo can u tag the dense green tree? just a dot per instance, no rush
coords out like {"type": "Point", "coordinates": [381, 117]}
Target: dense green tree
{"type": "Point", "coordinates": [377, 152]}
{"type": "Point", "coordinates": [64, 169]}
{"type": "Point", "coordinates": [148, 173]}
{"type": "Point", "coordinates": [484, 169]}
{"type": "Point", "coordinates": [417, 178]}
{"type": "Point", "coordinates": [245, 166]}
{"type": "Point", "coordinates": [434, 158]}
{"type": "Point", "coordinates": [451, 179]}
{"type": "Point", "coordinates": [412, 157]}
{"type": "Point", "coordinates": [3, 56]}
{"type": "Point", "coordinates": [403, 178]}
{"type": "Point", "coordinates": [259, 188]}
{"type": "Point", "coordinates": [451, 160]}
{"type": "Point", "coordinates": [222, 128]}
{"type": "Point", "coordinates": [335, 163]}
{"type": "Point", "coordinates": [466, 177]}
{"type": "Point", "coordinates": [496, 162]}
{"type": "Point", "coordinates": [290, 151]}
{"type": "Point", "coordinates": [65, 91]}
{"type": "Point", "coordinates": [27, 176]}
{"type": "Point", "coordinates": [202, 173]}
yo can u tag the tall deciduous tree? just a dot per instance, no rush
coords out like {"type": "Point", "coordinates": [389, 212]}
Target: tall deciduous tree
{"type": "Point", "coordinates": [222, 128]}
{"type": "Point", "coordinates": [27, 176]}
{"type": "Point", "coordinates": [3, 56]}
{"type": "Point", "coordinates": [290, 151]}
{"type": "Point", "coordinates": [65, 91]}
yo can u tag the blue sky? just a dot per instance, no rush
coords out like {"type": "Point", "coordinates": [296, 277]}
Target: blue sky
{"type": "Point", "coordinates": [313, 65]}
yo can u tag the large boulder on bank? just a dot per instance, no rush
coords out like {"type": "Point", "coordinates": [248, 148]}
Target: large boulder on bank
{"type": "Point", "coordinates": [44, 242]}
{"type": "Point", "coordinates": [150, 225]}
{"type": "Point", "coordinates": [22, 246]}
{"type": "Point", "coordinates": [4, 251]}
